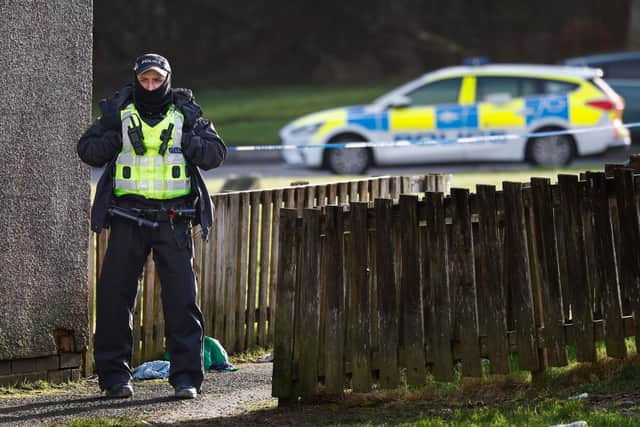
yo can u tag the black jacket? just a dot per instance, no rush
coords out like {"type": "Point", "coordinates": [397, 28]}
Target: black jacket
{"type": "Point", "coordinates": [201, 146]}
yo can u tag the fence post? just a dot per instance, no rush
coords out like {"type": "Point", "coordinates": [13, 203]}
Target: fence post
{"type": "Point", "coordinates": [551, 301]}
{"type": "Point", "coordinates": [282, 384]}
{"type": "Point", "coordinates": [463, 284]}
{"type": "Point", "coordinates": [308, 311]}
{"type": "Point", "coordinates": [629, 238]}
{"type": "Point", "coordinates": [360, 300]}
{"type": "Point", "coordinates": [571, 208]}
{"type": "Point", "coordinates": [517, 276]}
{"type": "Point", "coordinates": [490, 284]}
{"type": "Point", "coordinates": [606, 262]}
{"type": "Point", "coordinates": [334, 302]}
{"type": "Point", "coordinates": [411, 292]}
{"type": "Point", "coordinates": [386, 289]}
{"type": "Point", "coordinates": [438, 286]}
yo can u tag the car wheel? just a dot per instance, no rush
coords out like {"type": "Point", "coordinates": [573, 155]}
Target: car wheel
{"type": "Point", "coordinates": [348, 161]}
{"type": "Point", "coordinates": [551, 150]}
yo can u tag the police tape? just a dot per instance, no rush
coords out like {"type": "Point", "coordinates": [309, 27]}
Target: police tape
{"type": "Point", "coordinates": [492, 138]}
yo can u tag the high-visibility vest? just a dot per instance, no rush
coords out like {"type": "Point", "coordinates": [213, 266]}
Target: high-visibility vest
{"type": "Point", "coordinates": [152, 175]}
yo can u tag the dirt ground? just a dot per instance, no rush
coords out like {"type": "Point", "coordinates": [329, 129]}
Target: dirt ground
{"type": "Point", "coordinates": [225, 394]}
{"type": "Point", "coordinates": [243, 398]}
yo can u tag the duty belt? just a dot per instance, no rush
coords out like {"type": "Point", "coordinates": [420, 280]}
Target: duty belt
{"type": "Point", "coordinates": [152, 217]}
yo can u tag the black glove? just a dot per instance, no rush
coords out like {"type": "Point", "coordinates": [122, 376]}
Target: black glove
{"type": "Point", "coordinates": [110, 118]}
{"type": "Point", "coordinates": [186, 140]}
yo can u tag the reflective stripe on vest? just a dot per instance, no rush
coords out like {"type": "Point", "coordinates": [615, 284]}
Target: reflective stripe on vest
{"type": "Point", "coordinates": [152, 175]}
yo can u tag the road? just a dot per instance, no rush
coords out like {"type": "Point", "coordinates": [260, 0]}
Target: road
{"type": "Point", "coordinates": [269, 164]}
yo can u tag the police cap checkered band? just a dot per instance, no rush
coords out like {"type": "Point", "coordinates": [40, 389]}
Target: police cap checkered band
{"type": "Point", "coordinates": [152, 61]}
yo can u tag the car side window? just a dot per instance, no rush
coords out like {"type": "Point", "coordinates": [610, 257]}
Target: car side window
{"type": "Point", "coordinates": [557, 87]}
{"type": "Point", "coordinates": [438, 92]}
{"type": "Point", "coordinates": [490, 86]}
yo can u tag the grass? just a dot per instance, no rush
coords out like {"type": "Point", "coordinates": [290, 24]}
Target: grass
{"type": "Point", "coordinates": [37, 388]}
{"type": "Point", "coordinates": [253, 116]}
{"type": "Point", "coordinates": [106, 422]}
{"type": "Point", "coordinates": [467, 180]}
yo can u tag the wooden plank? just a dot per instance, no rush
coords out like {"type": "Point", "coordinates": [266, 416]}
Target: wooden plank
{"type": "Point", "coordinates": [300, 199]}
{"type": "Point", "coordinates": [308, 312]}
{"type": "Point", "coordinates": [614, 218]}
{"type": "Point", "coordinates": [87, 359]}
{"type": "Point", "coordinates": [571, 206]}
{"type": "Point", "coordinates": [411, 293]}
{"type": "Point", "coordinates": [359, 324]}
{"type": "Point", "coordinates": [265, 249]}
{"type": "Point", "coordinates": [254, 238]}
{"type": "Point", "coordinates": [463, 283]}
{"type": "Point", "coordinates": [395, 187]}
{"type": "Point", "coordinates": [561, 241]}
{"type": "Point", "coordinates": [101, 251]}
{"type": "Point", "coordinates": [334, 333]}
{"type": "Point", "coordinates": [282, 383]}
{"type": "Point", "coordinates": [517, 276]}
{"type": "Point", "coordinates": [384, 188]}
{"type": "Point", "coordinates": [290, 198]}
{"type": "Point", "coordinates": [273, 273]}
{"type": "Point", "coordinates": [375, 189]}
{"type": "Point", "coordinates": [321, 196]}
{"type": "Point", "coordinates": [490, 286]}
{"type": "Point", "coordinates": [437, 286]}
{"type": "Point", "coordinates": [148, 310]}
{"type": "Point", "coordinates": [353, 191]}
{"type": "Point", "coordinates": [333, 194]}
{"type": "Point", "coordinates": [223, 236]}
{"type": "Point", "coordinates": [606, 263]}
{"type": "Point", "coordinates": [197, 267]}
{"type": "Point", "coordinates": [231, 273]}
{"type": "Point", "coordinates": [137, 326]}
{"type": "Point", "coordinates": [629, 255]}
{"type": "Point", "coordinates": [242, 260]}
{"type": "Point", "coordinates": [363, 191]}
{"type": "Point", "coordinates": [594, 276]}
{"type": "Point", "coordinates": [343, 193]}
{"type": "Point", "coordinates": [310, 196]}
{"type": "Point", "coordinates": [208, 281]}
{"type": "Point", "coordinates": [552, 307]}
{"type": "Point", "coordinates": [158, 332]}
{"type": "Point", "coordinates": [386, 290]}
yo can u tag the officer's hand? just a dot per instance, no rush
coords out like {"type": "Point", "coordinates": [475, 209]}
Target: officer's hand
{"type": "Point", "coordinates": [110, 118]}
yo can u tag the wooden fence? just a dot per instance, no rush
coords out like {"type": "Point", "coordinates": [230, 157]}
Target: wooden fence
{"type": "Point", "coordinates": [237, 268]}
{"type": "Point", "coordinates": [383, 292]}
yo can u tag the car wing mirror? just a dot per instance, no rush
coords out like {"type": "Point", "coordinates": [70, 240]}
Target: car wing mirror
{"type": "Point", "coordinates": [399, 101]}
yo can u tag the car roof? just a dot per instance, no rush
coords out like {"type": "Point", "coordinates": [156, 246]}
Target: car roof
{"type": "Point", "coordinates": [516, 69]}
{"type": "Point", "coordinates": [524, 70]}
{"type": "Point", "coordinates": [602, 58]}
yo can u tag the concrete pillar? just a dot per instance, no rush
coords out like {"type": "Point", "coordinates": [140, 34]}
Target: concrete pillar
{"type": "Point", "coordinates": [45, 93]}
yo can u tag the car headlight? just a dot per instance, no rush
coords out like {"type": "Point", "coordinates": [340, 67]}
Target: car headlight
{"type": "Point", "coordinates": [306, 130]}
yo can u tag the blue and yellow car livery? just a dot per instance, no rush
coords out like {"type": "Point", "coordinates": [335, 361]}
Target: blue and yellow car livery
{"type": "Point", "coordinates": [544, 114]}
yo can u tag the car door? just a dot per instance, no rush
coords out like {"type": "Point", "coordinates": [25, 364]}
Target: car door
{"type": "Point", "coordinates": [502, 117]}
{"type": "Point", "coordinates": [429, 124]}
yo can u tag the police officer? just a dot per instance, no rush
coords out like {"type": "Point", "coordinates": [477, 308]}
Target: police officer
{"type": "Point", "coordinates": [152, 139]}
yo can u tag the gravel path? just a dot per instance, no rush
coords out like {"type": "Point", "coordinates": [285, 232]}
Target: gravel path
{"type": "Point", "coordinates": [224, 394]}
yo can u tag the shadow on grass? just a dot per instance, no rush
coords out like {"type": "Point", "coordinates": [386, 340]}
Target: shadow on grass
{"type": "Point", "coordinates": [554, 394]}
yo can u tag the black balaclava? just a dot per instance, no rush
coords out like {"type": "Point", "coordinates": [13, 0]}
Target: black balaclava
{"type": "Point", "coordinates": [152, 103]}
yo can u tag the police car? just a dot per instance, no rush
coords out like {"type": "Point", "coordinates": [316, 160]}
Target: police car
{"type": "Point", "coordinates": [544, 114]}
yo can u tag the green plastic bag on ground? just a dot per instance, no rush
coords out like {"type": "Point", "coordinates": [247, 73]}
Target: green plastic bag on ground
{"type": "Point", "coordinates": [214, 356]}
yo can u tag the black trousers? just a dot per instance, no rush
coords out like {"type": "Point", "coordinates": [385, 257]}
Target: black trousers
{"type": "Point", "coordinates": [129, 246]}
